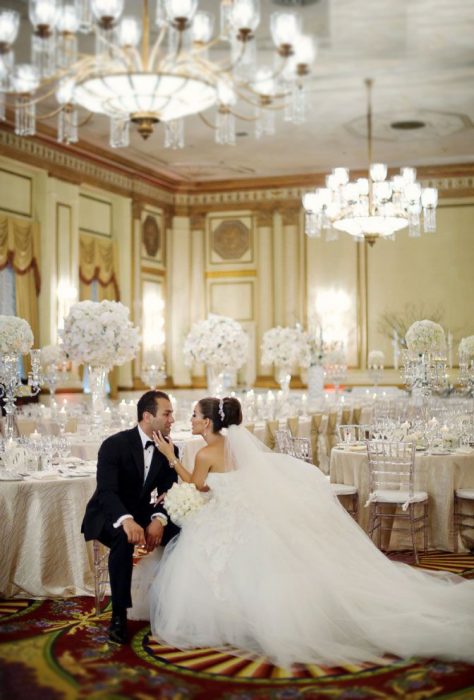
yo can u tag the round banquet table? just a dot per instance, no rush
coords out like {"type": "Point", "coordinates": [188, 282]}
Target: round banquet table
{"type": "Point", "coordinates": [42, 551]}
{"type": "Point", "coordinates": [437, 474]}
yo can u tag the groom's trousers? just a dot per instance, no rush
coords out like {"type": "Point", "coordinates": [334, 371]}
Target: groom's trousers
{"type": "Point", "coordinates": [120, 565]}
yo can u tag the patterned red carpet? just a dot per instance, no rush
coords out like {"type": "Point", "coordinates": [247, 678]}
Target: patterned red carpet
{"type": "Point", "coordinates": [58, 650]}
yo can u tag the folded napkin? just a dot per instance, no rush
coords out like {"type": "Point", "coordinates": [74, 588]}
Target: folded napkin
{"type": "Point", "coordinates": [43, 476]}
{"type": "Point", "coordinates": [10, 476]}
{"type": "Point", "coordinates": [73, 474]}
{"type": "Point", "coordinates": [464, 450]}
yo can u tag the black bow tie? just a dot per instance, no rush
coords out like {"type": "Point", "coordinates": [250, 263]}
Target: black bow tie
{"type": "Point", "coordinates": [148, 443]}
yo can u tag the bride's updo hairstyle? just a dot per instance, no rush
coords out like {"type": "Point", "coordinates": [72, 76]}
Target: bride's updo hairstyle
{"type": "Point", "coordinates": [222, 412]}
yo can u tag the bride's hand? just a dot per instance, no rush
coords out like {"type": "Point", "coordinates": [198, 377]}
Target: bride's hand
{"type": "Point", "coordinates": [166, 447]}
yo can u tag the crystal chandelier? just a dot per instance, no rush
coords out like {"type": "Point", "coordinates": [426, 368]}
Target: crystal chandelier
{"type": "Point", "coordinates": [373, 207]}
{"type": "Point", "coordinates": [131, 79]}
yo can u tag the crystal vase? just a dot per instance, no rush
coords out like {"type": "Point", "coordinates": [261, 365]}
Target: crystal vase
{"type": "Point", "coordinates": [97, 377]}
{"type": "Point", "coordinates": [283, 377]}
{"type": "Point", "coordinates": [215, 380]}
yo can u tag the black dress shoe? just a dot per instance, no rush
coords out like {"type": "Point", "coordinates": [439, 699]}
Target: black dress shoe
{"type": "Point", "coordinates": [118, 631]}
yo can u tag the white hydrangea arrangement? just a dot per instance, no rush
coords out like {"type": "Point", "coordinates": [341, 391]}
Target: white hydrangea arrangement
{"type": "Point", "coordinates": [100, 334]}
{"type": "Point", "coordinates": [182, 501]}
{"type": "Point", "coordinates": [16, 335]}
{"type": "Point", "coordinates": [466, 348]}
{"type": "Point", "coordinates": [53, 356]}
{"type": "Point", "coordinates": [425, 336]}
{"type": "Point", "coordinates": [286, 347]}
{"type": "Point", "coordinates": [376, 358]}
{"type": "Point", "coordinates": [216, 341]}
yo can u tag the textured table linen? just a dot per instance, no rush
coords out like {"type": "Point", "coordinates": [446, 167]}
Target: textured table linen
{"type": "Point", "coordinates": [438, 475]}
{"type": "Point", "coordinates": [42, 550]}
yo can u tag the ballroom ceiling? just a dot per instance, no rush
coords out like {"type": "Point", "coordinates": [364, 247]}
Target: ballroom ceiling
{"type": "Point", "coordinates": [420, 54]}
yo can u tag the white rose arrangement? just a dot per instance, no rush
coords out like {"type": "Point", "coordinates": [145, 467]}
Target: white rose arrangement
{"type": "Point", "coordinates": [100, 334]}
{"type": "Point", "coordinates": [466, 348]}
{"type": "Point", "coordinates": [284, 346]}
{"type": "Point", "coordinates": [53, 355]}
{"type": "Point", "coordinates": [182, 501]}
{"type": "Point", "coordinates": [216, 341]}
{"type": "Point", "coordinates": [425, 336]}
{"type": "Point", "coordinates": [376, 358]}
{"type": "Point", "coordinates": [16, 336]}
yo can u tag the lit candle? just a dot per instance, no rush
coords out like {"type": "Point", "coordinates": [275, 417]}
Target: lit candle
{"type": "Point", "coordinates": [35, 435]}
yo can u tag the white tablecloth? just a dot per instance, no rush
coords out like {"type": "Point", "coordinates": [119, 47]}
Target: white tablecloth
{"type": "Point", "coordinates": [42, 551]}
{"type": "Point", "coordinates": [439, 475]}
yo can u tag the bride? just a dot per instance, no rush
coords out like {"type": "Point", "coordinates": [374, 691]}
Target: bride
{"type": "Point", "coordinates": [274, 565]}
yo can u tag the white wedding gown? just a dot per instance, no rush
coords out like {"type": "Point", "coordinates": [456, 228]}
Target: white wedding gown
{"type": "Point", "coordinates": [274, 565]}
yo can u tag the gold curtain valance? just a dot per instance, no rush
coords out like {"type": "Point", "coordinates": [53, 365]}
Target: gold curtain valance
{"type": "Point", "coordinates": [96, 262]}
{"type": "Point", "coordinates": [19, 247]}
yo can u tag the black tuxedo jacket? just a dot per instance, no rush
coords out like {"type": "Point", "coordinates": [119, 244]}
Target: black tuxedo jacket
{"type": "Point", "coordinates": [120, 488]}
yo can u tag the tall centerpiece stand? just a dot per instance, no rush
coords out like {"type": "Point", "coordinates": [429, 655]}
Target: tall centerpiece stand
{"type": "Point", "coordinates": [375, 366]}
{"type": "Point", "coordinates": [53, 361]}
{"type": "Point", "coordinates": [100, 335]}
{"type": "Point", "coordinates": [425, 360]}
{"type": "Point", "coordinates": [285, 347]}
{"type": "Point", "coordinates": [466, 364]}
{"type": "Point", "coordinates": [16, 339]}
{"type": "Point", "coordinates": [221, 344]}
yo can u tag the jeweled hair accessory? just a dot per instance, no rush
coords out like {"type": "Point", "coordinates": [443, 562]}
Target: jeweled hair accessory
{"type": "Point", "coordinates": [221, 409]}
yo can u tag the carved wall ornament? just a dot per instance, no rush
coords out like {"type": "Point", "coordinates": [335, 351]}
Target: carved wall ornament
{"type": "Point", "coordinates": [231, 239]}
{"type": "Point", "coordinates": [151, 236]}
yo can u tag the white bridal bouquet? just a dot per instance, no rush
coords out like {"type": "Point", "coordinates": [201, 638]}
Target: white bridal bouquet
{"type": "Point", "coordinates": [376, 358]}
{"type": "Point", "coordinates": [466, 348]}
{"type": "Point", "coordinates": [182, 500]}
{"type": "Point", "coordinates": [53, 355]}
{"type": "Point", "coordinates": [286, 347]}
{"type": "Point", "coordinates": [100, 334]}
{"type": "Point", "coordinates": [216, 341]}
{"type": "Point", "coordinates": [16, 335]}
{"type": "Point", "coordinates": [425, 336]}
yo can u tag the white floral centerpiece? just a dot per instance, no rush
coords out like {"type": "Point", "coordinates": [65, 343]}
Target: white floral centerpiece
{"type": "Point", "coordinates": [425, 337]}
{"type": "Point", "coordinates": [286, 347]}
{"type": "Point", "coordinates": [376, 358]}
{"type": "Point", "coordinates": [100, 334]}
{"type": "Point", "coordinates": [217, 341]}
{"type": "Point", "coordinates": [182, 501]}
{"type": "Point", "coordinates": [53, 356]}
{"type": "Point", "coordinates": [466, 348]}
{"type": "Point", "coordinates": [16, 336]}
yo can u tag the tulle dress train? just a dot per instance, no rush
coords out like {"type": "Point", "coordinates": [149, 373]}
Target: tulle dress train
{"type": "Point", "coordinates": [274, 565]}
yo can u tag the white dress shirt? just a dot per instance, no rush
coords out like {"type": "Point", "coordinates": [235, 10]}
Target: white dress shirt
{"type": "Point", "coordinates": [147, 456]}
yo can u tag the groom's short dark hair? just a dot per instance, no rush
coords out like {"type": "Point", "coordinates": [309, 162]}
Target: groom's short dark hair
{"type": "Point", "coordinates": [149, 402]}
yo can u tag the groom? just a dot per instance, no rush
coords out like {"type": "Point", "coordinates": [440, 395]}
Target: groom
{"type": "Point", "coordinates": [120, 514]}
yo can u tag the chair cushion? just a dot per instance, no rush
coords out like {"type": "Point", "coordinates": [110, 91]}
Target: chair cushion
{"type": "Point", "coordinates": [388, 496]}
{"type": "Point", "coordinates": [465, 493]}
{"type": "Point", "coordinates": [344, 489]}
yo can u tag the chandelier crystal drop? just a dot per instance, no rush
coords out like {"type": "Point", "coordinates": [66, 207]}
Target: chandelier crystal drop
{"type": "Point", "coordinates": [142, 74]}
{"type": "Point", "coordinates": [372, 207]}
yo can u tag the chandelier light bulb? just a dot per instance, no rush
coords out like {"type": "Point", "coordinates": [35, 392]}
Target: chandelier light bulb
{"type": "Point", "coordinates": [341, 176]}
{"type": "Point", "coordinates": [42, 14]}
{"type": "Point", "coordinates": [65, 92]}
{"type": "Point", "coordinates": [181, 12]}
{"type": "Point", "coordinates": [25, 78]}
{"type": "Point", "coordinates": [226, 94]}
{"type": "Point", "coordinates": [413, 192]}
{"type": "Point", "coordinates": [429, 197]}
{"type": "Point", "coordinates": [202, 27]}
{"type": "Point", "coordinates": [67, 21]}
{"type": "Point", "coordinates": [285, 28]}
{"type": "Point", "coordinates": [107, 11]}
{"type": "Point", "coordinates": [245, 16]}
{"type": "Point", "coordinates": [305, 50]}
{"type": "Point", "coordinates": [9, 25]}
{"type": "Point", "coordinates": [129, 32]}
{"type": "Point", "coordinates": [408, 174]}
{"type": "Point", "coordinates": [378, 172]}
{"type": "Point", "coordinates": [264, 83]}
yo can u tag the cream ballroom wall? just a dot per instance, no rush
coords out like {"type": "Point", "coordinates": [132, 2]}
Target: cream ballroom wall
{"type": "Point", "coordinates": [238, 250]}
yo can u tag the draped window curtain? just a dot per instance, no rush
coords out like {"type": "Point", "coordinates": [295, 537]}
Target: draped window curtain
{"type": "Point", "coordinates": [97, 280]}
{"type": "Point", "coordinates": [19, 249]}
